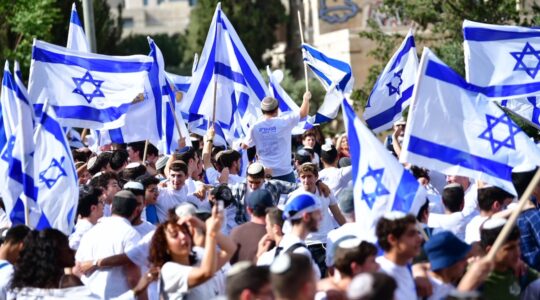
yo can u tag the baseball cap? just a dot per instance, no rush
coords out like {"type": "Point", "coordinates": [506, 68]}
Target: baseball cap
{"type": "Point", "coordinates": [259, 201]}
{"type": "Point", "coordinates": [445, 249]}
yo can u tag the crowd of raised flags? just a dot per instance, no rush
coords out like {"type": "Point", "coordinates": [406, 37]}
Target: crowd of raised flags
{"type": "Point", "coordinates": [455, 126]}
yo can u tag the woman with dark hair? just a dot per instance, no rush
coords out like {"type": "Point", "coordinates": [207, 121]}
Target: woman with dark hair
{"type": "Point", "coordinates": [39, 271]}
{"type": "Point", "coordinates": [183, 273]}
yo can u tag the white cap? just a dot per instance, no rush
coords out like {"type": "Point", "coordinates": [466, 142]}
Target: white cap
{"type": "Point", "coordinates": [494, 223]}
{"type": "Point", "coordinates": [134, 185]}
{"type": "Point", "coordinates": [394, 215]}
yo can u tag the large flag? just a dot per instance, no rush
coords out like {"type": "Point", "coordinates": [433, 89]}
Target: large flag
{"type": "Point", "coordinates": [286, 103]}
{"type": "Point", "coordinates": [336, 77]}
{"type": "Point", "coordinates": [17, 169]}
{"type": "Point", "coordinates": [380, 182]}
{"type": "Point", "coordinates": [225, 68]}
{"type": "Point", "coordinates": [527, 108]}
{"type": "Point", "coordinates": [56, 176]}
{"type": "Point", "coordinates": [502, 61]}
{"type": "Point", "coordinates": [457, 131]}
{"type": "Point", "coordinates": [76, 37]}
{"type": "Point", "coordinates": [85, 89]}
{"type": "Point", "coordinates": [394, 87]}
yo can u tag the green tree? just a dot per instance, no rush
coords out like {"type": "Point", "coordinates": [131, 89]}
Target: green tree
{"type": "Point", "coordinates": [255, 22]}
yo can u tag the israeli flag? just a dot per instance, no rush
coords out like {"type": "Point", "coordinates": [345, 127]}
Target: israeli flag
{"type": "Point", "coordinates": [394, 87]}
{"type": "Point", "coordinates": [76, 37]}
{"type": "Point", "coordinates": [22, 92]}
{"type": "Point", "coordinates": [286, 103]}
{"type": "Point", "coordinates": [526, 108]}
{"type": "Point", "coordinates": [56, 176]}
{"type": "Point", "coordinates": [336, 77]}
{"type": "Point", "coordinates": [8, 99]}
{"type": "Point", "coordinates": [143, 120]}
{"type": "Point", "coordinates": [380, 182]}
{"type": "Point", "coordinates": [455, 130]}
{"type": "Point", "coordinates": [502, 61]}
{"type": "Point", "coordinates": [85, 89]}
{"type": "Point", "coordinates": [169, 140]}
{"type": "Point", "coordinates": [17, 169]}
{"type": "Point", "coordinates": [240, 87]}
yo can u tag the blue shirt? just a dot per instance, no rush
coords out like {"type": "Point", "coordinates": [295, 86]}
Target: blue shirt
{"type": "Point", "coordinates": [151, 214]}
{"type": "Point", "coordinates": [528, 223]}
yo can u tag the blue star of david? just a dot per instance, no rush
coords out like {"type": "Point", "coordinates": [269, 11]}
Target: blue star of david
{"type": "Point", "coordinates": [88, 78]}
{"type": "Point", "coordinates": [8, 150]}
{"type": "Point", "coordinates": [53, 173]}
{"type": "Point", "coordinates": [488, 135]}
{"type": "Point", "coordinates": [379, 190]}
{"type": "Point", "coordinates": [520, 64]}
{"type": "Point", "coordinates": [394, 89]}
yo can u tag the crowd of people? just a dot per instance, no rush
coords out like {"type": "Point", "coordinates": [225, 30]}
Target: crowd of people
{"type": "Point", "coordinates": [198, 224]}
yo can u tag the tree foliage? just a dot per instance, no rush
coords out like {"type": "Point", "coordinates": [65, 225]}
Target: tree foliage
{"type": "Point", "coordinates": [438, 25]}
{"type": "Point", "coordinates": [255, 22]}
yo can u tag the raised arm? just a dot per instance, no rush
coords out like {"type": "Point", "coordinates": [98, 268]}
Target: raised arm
{"type": "Point", "coordinates": [304, 108]}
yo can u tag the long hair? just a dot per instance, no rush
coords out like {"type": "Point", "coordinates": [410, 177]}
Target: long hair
{"type": "Point", "coordinates": [40, 264]}
{"type": "Point", "coordinates": [159, 250]}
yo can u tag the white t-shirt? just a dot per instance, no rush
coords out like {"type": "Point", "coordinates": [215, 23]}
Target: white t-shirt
{"type": "Point", "coordinates": [288, 241]}
{"type": "Point", "coordinates": [6, 272]}
{"type": "Point", "coordinates": [336, 178]}
{"type": "Point", "coordinates": [173, 280]}
{"type": "Point", "coordinates": [169, 198]}
{"type": "Point", "coordinates": [110, 236]}
{"type": "Point", "coordinates": [472, 231]}
{"type": "Point", "coordinates": [406, 289]}
{"type": "Point", "coordinates": [470, 205]}
{"type": "Point", "coordinates": [144, 228]}
{"type": "Point", "coordinates": [82, 226]}
{"type": "Point", "coordinates": [272, 138]}
{"type": "Point", "coordinates": [267, 257]}
{"type": "Point", "coordinates": [440, 289]}
{"type": "Point", "coordinates": [454, 222]}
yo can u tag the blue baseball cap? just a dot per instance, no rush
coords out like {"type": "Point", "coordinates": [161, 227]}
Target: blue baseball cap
{"type": "Point", "coordinates": [445, 249]}
{"type": "Point", "coordinates": [300, 204]}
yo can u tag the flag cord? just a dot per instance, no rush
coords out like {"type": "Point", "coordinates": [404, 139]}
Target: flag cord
{"type": "Point", "coordinates": [302, 40]}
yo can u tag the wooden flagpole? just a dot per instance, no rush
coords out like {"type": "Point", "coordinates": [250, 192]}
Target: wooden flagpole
{"type": "Point", "coordinates": [302, 39]}
{"type": "Point", "coordinates": [145, 151]}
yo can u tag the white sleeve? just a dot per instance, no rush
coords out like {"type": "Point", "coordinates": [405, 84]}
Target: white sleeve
{"type": "Point", "coordinates": [291, 119]}
{"type": "Point", "coordinates": [212, 175]}
{"type": "Point", "coordinates": [139, 253]}
{"type": "Point", "coordinates": [174, 278]}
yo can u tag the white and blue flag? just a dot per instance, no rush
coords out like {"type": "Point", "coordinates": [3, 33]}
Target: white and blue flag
{"type": "Point", "coordinates": [85, 89]}
{"type": "Point", "coordinates": [17, 169]}
{"type": "Point", "coordinates": [239, 90]}
{"type": "Point", "coordinates": [380, 182]}
{"type": "Point", "coordinates": [76, 37]}
{"type": "Point", "coordinates": [502, 61]}
{"type": "Point", "coordinates": [286, 103]}
{"type": "Point", "coordinates": [394, 87]}
{"type": "Point", "coordinates": [526, 108]}
{"type": "Point", "coordinates": [336, 77]}
{"type": "Point", "coordinates": [56, 176]}
{"type": "Point", "coordinates": [8, 98]}
{"type": "Point", "coordinates": [457, 131]}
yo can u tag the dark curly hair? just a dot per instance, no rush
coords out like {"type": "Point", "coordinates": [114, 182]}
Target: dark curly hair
{"type": "Point", "coordinates": [42, 260]}
{"type": "Point", "coordinates": [159, 251]}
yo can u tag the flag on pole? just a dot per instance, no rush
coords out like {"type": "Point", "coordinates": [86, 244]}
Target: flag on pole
{"type": "Point", "coordinates": [169, 140]}
{"type": "Point", "coordinates": [286, 103]}
{"type": "Point", "coordinates": [240, 86]}
{"type": "Point", "coordinates": [85, 89]}
{"type": "Point", "coordinates": [380, 182]}
{"type": "Point", "coordinates": [76, 37]}
{"type": "Point", "coordinates": [527, 108]}
{"type": "Point", "coordinates": [8, 106]}
{"type": "Point", "coordinates": [502, 61]}
{"type": "Point", "coordinates": [336, 77]}
{"type": "Point", "coordinates": [17, 169]}
{"type": "Point", "coordinates": [394, 87]}
{"type": "Point", "coordinates": [459, 132]}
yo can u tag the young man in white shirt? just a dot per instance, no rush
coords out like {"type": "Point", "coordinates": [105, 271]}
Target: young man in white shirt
{"type": "Point", "coordinates": [89, 210]}
{"type": "Point", "coordinates": [272, 137]}
{"type": "Point", "coordinates": [142, 226]}
{"type": "Point", "coordinates": [491, 200]}
{"type": "Point", "coordinates": [176, 191]}
{"type": "Point", "coordinates": [111, 236]}
{"type": "Point", "coordinates": [399, 238]}
{"type": "Point", "coordinates": [453, 219]}
{"type": "Point", "coordinates": [331, 214]}
{"type": "Point", "coordinates": [9, 254]}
